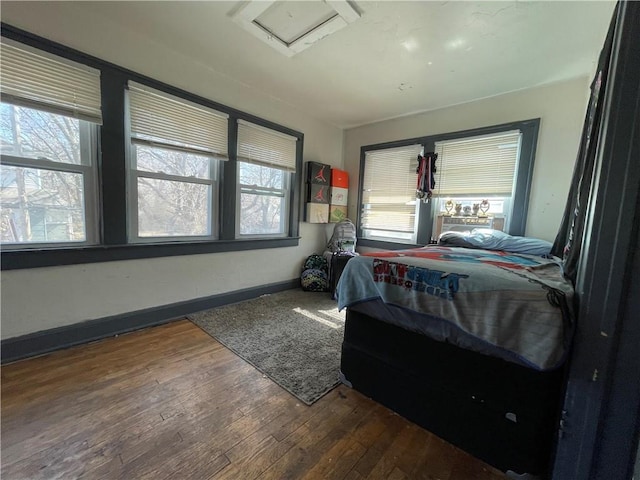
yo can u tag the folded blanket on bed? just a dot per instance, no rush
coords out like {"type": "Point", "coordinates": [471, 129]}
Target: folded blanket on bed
{"type": "Point", "coordinates": [516, 302]}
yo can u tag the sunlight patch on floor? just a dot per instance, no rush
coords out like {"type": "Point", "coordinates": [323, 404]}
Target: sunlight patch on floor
{"type": "Point", "coordinates": [317, 318]}
{"type": "Point", "coordinates": [334, 313]}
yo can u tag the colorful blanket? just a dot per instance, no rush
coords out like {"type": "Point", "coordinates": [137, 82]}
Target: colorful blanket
{"type": "Point", "coordinates": [517, 302]}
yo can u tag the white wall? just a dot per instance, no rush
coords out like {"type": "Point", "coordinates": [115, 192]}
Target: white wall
{"type": "Point", "coordinates": [39, 299]}
{"type": "Point", "coordinates": [561, 108]}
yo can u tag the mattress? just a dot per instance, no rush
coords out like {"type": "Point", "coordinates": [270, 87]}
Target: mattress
{"type": "Point", "coordinates": [513, 306]}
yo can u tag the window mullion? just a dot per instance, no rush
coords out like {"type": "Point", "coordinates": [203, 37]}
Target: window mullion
{"type": "Point", "coordinates": [214, 175]}
{"type": "Point", "coordinates": [114, 146]}
{"type": "Point", "coordinates": [88, 157]}
{"type": "Point", "coordinates": [279, 192]}
{"type": "Point", "coordinates": [11, 161]}
{"type": "Point", "coordinates": [132, 201]}
{"type": "Point", "coordinates": [90, 207]}
{"type": "Point", "coordinates": [173, 178]}
{"type": "Point", "coordinates": [229, 193]}
{"type": "Point", "coordinates": [263, 194]}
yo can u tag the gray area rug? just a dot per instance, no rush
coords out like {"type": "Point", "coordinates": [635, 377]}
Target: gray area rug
{"type": "Point", "coordinates": [293, 337]}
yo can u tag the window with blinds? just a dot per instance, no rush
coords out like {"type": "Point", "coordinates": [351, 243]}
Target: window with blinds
{"type": "Point", "coordinates": [389, 206]}
{"type": "Point", "coordinates": [174, 168]}
{"type": "Point", "coordinates": [266, 159]}
{"type": "Point", "coordinates": [176, 123]}
{"type": "Point", "coordinates": [183, 160]}
{"type": "Point", "coordinates": [36, 79]}
{"type": "Point", "coordinates": [264, 146]}
{"type": "Point", "coordinates": [475, 172]}
{"type": "Point", "coordinates": [483, 165]}
{"type": "Point", "coordinates": [50, 111]}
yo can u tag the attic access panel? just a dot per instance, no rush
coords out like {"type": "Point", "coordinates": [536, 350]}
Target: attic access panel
{"type": "Point", "coordinates": [291, 27]}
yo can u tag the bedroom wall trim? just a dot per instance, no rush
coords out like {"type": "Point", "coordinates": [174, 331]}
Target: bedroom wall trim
{"type": "Point", "coordinates": [46, 341]}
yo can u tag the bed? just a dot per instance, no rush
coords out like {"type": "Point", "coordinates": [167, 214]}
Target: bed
{"type": "Point", "coordinates": [466, 342]}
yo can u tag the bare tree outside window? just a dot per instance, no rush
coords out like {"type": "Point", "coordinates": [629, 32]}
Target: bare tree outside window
{"type": "Point", "coordinates": [175, 191]}
{"type": "Point", "coordinates": [44, 204]}
{"type": "Point", "coordinates": [263, 192]}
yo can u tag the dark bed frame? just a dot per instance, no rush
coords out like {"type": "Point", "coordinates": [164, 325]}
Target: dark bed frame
{"type": "Point", "coordinates": [500, 412]}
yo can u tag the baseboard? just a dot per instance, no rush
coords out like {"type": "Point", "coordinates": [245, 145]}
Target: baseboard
{"type": "Point", "coordinates": [46, 341]}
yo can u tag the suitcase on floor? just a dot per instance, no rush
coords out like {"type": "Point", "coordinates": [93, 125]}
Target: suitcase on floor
{"type": "Point", "coordinates": [338, 262]}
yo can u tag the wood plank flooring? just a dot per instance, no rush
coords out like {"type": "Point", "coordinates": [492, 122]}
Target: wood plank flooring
{"type": "Point", "coordinates": [171, 402]}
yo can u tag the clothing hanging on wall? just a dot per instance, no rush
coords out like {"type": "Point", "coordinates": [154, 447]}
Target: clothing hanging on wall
{"type": "Point", "coordinates": [426, 175]}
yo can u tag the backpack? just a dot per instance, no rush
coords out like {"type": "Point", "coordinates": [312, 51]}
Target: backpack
{"type": "Point", "coordinates": [315, 274]}
{"type": "Point", "coordinates": [344, 237]}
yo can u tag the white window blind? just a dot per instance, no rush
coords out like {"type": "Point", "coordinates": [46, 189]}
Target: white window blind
{"type": "Point", "coordinates": [265, 146]}
{"type": "Point", "coordinates": [36, 79]}
{"type": "Point", "coordinates": [171, 121]}
{"type": "Point", "coordinates": [389, 189]}
{"type": "Point", "coordinates": [477, 165]}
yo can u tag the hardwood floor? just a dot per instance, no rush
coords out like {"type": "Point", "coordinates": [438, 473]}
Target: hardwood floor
{"type": "Point", "coordinates": [171, 402]}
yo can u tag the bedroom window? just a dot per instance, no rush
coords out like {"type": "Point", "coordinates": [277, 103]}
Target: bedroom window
{"type": "Point", "coordinates": [475, 181]}
{"type": "Point", "coordinates": [492, 163]}
{"type": "Point", "coordinates": [48, 129]}
{"type": "Point", "coordinates": [389, 210]}
{"type": "Point", "coordinates": [266, 162]}
{"type": "Point", "coordinates": [176, 147]}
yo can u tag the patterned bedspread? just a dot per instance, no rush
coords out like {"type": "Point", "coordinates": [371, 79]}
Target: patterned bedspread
{"type": "Point", "coordinates": [516, 302]}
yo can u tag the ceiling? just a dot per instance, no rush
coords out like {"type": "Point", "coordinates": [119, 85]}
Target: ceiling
{"type": "Point", "coordinates": [397, 58]}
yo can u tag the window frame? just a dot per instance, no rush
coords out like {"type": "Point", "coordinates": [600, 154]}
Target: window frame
{"type": "Point", "coordinates": [285, 190]}
{"type": "Point", "coordinates": [133, 198]}
{"type": "Point", "coordinates": [520, 199]}
{"type": "Point", "coordinates": [418, 209]}
{"type": "Point", "coordinates": [88, 138]}
{"type": "Point", "coordinates": [113, 184]}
